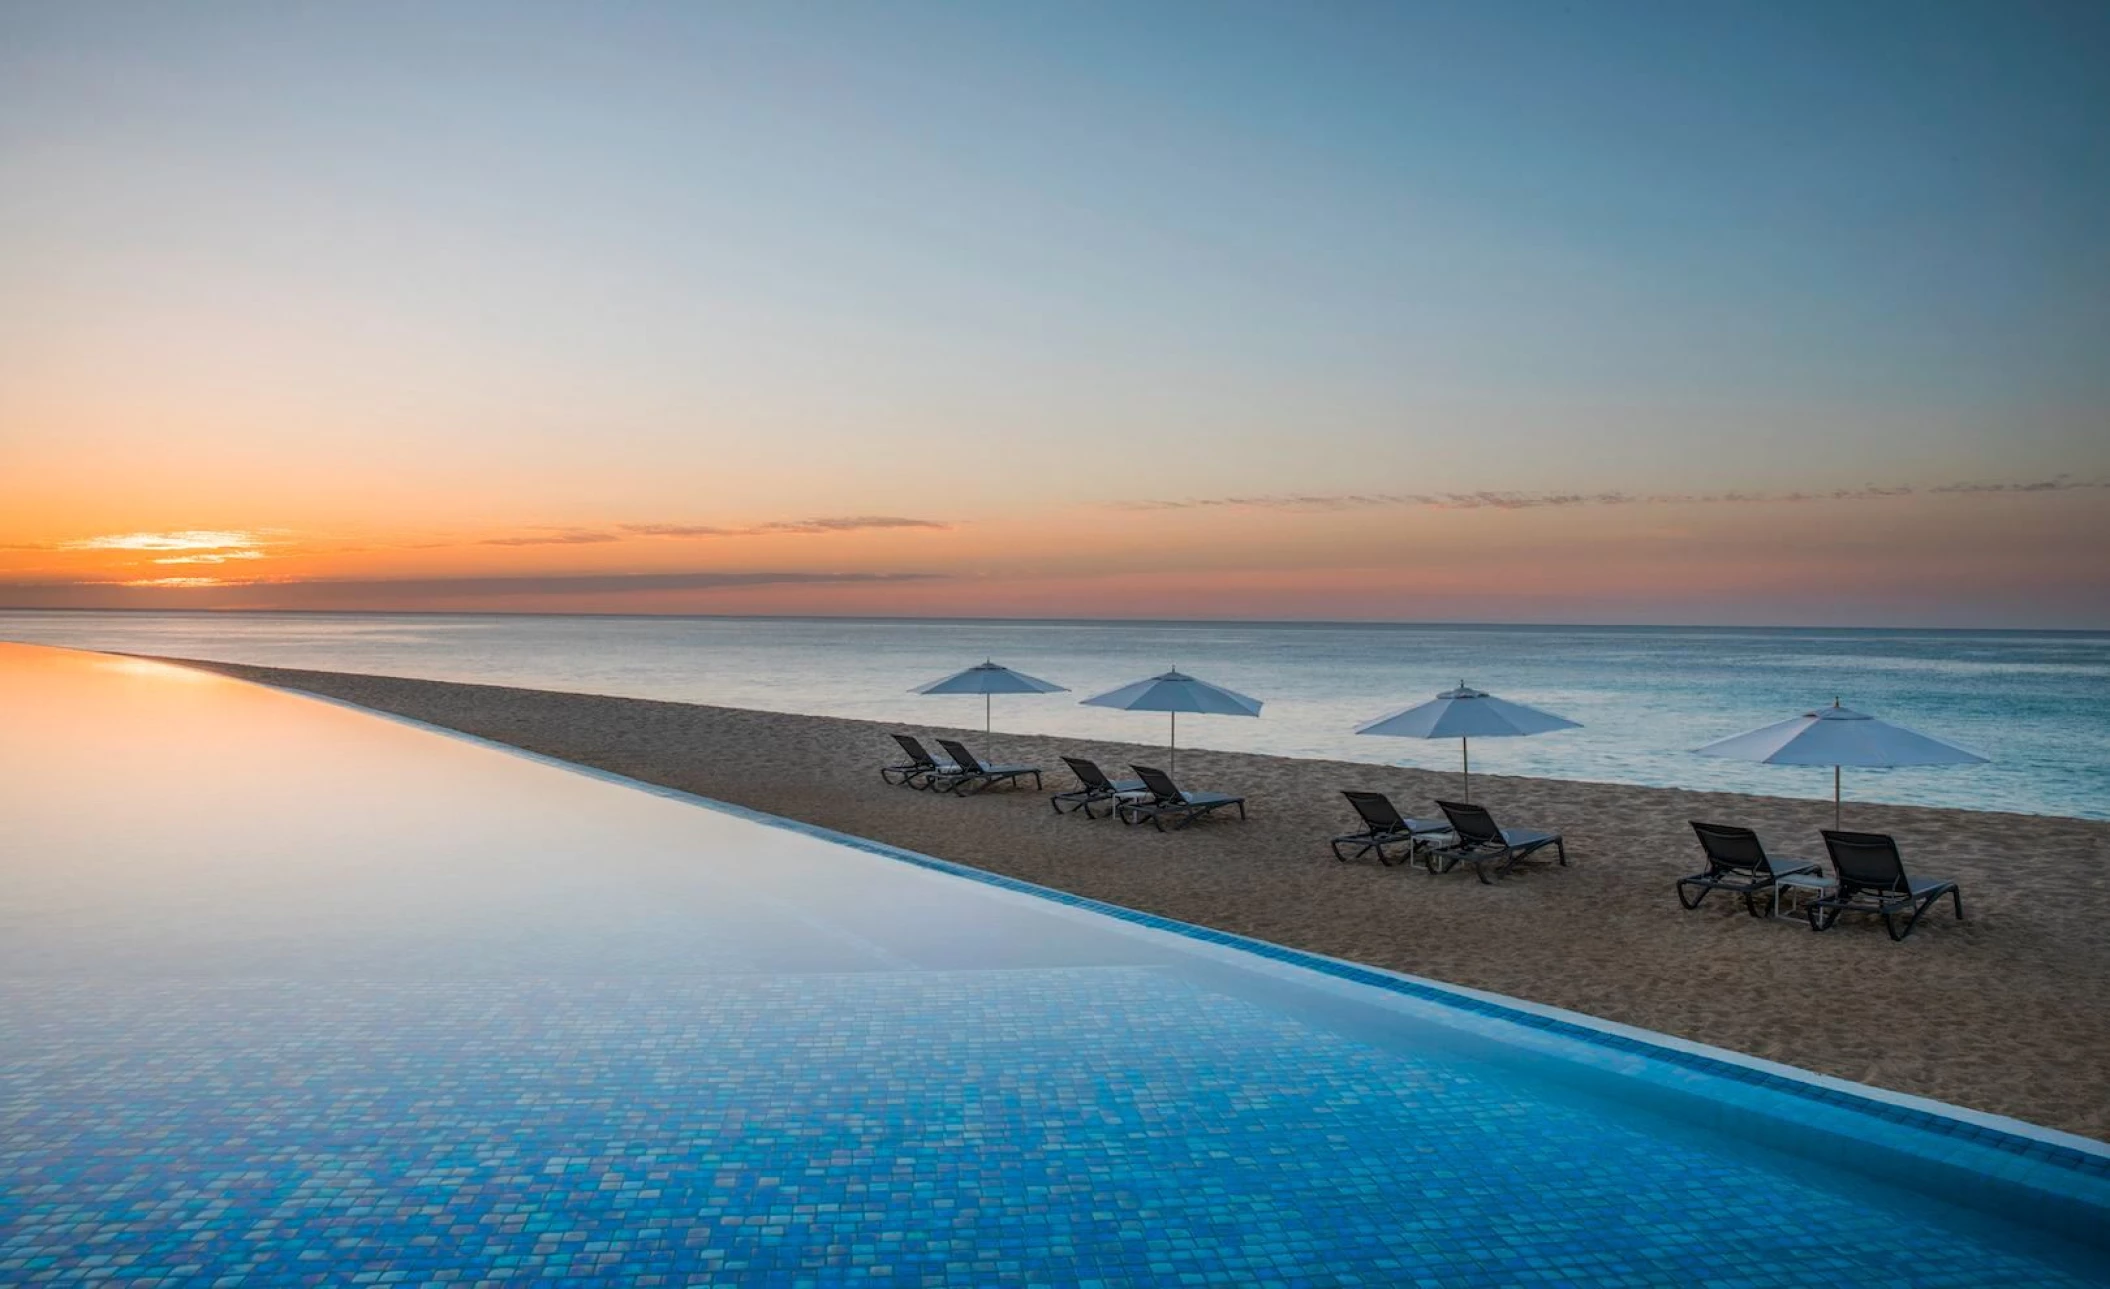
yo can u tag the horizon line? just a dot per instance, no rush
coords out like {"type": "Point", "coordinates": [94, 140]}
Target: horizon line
{"type": "Point", "coordinates": [1363, 623]}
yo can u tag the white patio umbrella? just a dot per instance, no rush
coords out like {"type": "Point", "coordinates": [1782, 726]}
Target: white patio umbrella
{"type": "Point", "coordinates": [1174, 693]}
{"type": "Point", "coordinates": [987, 678]}
{"type": "Point", "coordinates": [1838, 736]}
{"type": "Point", "coordinates": [1466, 714]}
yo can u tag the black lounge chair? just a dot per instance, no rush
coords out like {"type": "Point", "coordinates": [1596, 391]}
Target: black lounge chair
{"type": "Point", "coordinates": [972, 776]}
{"type": "Point", "coordinates": [1485, 846]}
{"type": "Point", "coordinates": [920, 769]}
{"type": "Point", "coordinates": [1383, 826]}
{"type": "Point", "coordinates": [1736, 862]}
{"type": "Point", "coordinates": [1097, 788]}
{"type": "Point", "coordinates": [1168, 802]}
{"type": "Point", "coordinates": [1872, 879]}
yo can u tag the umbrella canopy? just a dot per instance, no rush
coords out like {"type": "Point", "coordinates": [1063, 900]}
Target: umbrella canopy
{"type": "Point", "coordinates": [1465, 714]}
{"type": "Point", "coordinates": [1173, 693]}
{"type": "Point", "coordinates": [986, 678]}
{"type": "Point", "coordinates": [1839, 736]}
{"type": "Point", "coordinates": [989, 678]}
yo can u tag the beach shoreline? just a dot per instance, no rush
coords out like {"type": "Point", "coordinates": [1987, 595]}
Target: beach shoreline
{"type": "Point", "coordinates": [2001, 1013]}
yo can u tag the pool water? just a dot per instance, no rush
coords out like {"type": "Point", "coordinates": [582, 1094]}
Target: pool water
{"type": "Point", "coordinates": [298, 993]}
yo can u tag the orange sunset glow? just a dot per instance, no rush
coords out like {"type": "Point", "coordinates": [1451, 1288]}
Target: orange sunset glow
{"type": "Point", "coordinates": [1901, 556]}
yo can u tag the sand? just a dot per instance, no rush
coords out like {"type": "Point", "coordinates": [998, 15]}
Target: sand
{"type": "Point", "coordinates": [2007, 1012]}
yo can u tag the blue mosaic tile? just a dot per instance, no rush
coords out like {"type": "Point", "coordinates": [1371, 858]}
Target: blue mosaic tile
{"type": "Point", "coordinates": [1114, 1125]}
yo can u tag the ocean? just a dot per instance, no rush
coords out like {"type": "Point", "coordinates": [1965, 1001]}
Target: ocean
{"type": "Point", "coordinates": [2037, 703]}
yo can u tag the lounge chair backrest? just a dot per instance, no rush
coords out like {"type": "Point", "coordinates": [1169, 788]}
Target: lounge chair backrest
{"type": "Point", "coordinates": [1089, 774]}
{"type": "Point", "coordinates": [1866, 861]}
{"type": "Point", "coordinates": [916, 755]}
{"type": "Point", "coordinates": [1471, 823]}
{"type": "Point", "coordinates": [1377, 810]}
{"type": "Point", "coordinates": [1160, 785]}
{"type": "Point", "coordinates": [1731, 847]}
{"type": "Point", "coordinates": [960, 755]}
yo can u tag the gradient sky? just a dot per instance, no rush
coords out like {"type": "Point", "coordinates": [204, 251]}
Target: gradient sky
{"type": "Point", "coordinates": [1776, 313]}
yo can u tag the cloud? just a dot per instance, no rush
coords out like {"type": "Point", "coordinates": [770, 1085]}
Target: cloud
{"type": "Point", "coordinates": [1387, 500]}
{"type": "Point", "coordinates": [593, 536]}
{"type": "Point", "coordinates": [684, 530]}
{"type": "Point", "coordinates": [213, 546]}
{"type": "Point", "coordinates": [837, 524]}
{"type": "Point", "coordinates": [188, 539]}
{"type": "Point", "coordinates": [584, 583]}
{"type": "Point", "coordinates": [2060, 484]}
{"type": "Point", "coordinates": [1319, 502]}
{"type": "Point", "coordinates": [567, 538]}
{"type": "Point", "coordinates": [322, 593]}
{"type": "Point", "coordinates": [210, 557]}
{"type": "Point", "coordinates": [851, 524]}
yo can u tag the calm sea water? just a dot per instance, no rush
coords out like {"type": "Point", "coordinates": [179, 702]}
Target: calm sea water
{"type": "Point", "coordinates": [2037, 703]}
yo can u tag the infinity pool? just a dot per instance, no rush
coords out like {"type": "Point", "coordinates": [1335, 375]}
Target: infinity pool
{"type": "Point", "coordinates": [295, 993]}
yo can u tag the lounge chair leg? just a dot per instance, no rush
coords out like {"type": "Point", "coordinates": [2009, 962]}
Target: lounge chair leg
{"type": "Point", "coordinates": [1560, 851]}
{"type": "Point", "coordinates": [1697, 900]}
{"type": "Point", "coordinates": [1914, 920]}
{"type": "Point", "coordinates": [1956, 897]}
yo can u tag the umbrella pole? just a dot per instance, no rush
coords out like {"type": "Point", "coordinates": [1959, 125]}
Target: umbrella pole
{"type": "Point", "coordinates": [1465, 753]}
{"type": "Point", "coordinates": [1174, 746]}
{"type": "Point", "coordinates": [985, 719]}
{"type": "Point", "coordinates": [1835, 799]}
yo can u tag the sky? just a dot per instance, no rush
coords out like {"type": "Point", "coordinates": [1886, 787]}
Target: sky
{"type": "Point", "coordinates": [1770, 313]}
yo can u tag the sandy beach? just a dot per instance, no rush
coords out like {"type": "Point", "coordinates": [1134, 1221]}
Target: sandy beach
{"type": "Point", "coordinates": [2005, 1012]}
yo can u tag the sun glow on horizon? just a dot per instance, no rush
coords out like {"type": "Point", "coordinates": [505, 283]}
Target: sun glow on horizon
{"type": "Point", "coordinates": [212, 557]}
{"type": "Point", "coordinates": [191, 539]}
{"type": "Point", "coordinates": [173, 582]}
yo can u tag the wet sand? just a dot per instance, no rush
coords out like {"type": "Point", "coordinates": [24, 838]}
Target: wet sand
{"type": "Point", "coordinates": [2007, 1012]}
